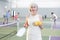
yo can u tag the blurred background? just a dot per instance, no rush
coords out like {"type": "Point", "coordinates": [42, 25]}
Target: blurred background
{"type": "Point", "coordinates": [8, 32]}
{"type": "Point", "coordinates": [45, 6]}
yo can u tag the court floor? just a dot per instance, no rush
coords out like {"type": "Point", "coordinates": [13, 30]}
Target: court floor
{"type": "Point", "coordinates": [51, 31]}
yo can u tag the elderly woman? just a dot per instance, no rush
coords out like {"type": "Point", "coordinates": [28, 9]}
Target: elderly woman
{"type": "Point", "coordinates": [33, 31]}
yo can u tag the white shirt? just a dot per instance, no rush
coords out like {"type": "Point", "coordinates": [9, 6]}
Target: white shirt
{"type": "Point", "coordinates": [54, 16]}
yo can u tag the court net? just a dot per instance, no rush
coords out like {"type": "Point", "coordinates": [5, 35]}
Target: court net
{"type": "Point", "coordinates": [7, 30]}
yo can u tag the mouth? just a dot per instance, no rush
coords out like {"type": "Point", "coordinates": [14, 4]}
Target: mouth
{"type": "Point", "coordinates": [33, 10]}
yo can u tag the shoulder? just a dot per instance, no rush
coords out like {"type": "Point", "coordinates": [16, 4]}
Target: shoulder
{"type": "Point", "coordinates": [27, 17]}
{"type": "Point", "coordinates": [55, 15]}
{"type": "Point", "coordinates": [39, 15]}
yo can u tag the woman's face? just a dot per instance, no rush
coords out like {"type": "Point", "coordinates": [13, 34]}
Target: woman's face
{"type": "Point", "coordinates": [33, 10]}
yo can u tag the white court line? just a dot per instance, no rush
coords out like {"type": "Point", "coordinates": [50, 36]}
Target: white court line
{"type": "Point", "coordinates": [50, 37]}
{"type": "Point", "coordinates": [8, 24]}
{"type": "Point", "coordinates": [27, 34]}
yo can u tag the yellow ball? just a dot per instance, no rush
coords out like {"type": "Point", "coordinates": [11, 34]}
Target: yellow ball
{"type": "Point", "coordinates": [38, 23]}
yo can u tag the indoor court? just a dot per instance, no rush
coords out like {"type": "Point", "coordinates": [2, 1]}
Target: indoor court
{"type": "Point", "coordinates": [50, 30]}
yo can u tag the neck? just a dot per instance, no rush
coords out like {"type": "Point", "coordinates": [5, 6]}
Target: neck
{"type": "Point", "coordinates": [33, 14]}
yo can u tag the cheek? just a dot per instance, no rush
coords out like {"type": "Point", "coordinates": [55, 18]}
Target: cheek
{"type": "Point", "coordinates": [33, 10]}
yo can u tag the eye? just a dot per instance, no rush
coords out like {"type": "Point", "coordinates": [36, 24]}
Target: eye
{"type": "Point", "coordinates": [33, 7]}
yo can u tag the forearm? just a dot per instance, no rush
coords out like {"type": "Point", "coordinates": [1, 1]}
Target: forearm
{"type": "Point", "coordinates": [40, 27]}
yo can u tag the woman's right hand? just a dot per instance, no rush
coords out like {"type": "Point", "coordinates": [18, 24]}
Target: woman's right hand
{"type": "Point", "coordinates": [26, 25]}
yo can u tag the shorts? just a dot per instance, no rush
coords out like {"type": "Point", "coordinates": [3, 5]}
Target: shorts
{"type": "Point", "coordinates": [54, 20]}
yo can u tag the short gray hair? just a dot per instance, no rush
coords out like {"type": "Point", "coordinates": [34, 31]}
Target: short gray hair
{"type": "Point", "coordinates": [33, 4]}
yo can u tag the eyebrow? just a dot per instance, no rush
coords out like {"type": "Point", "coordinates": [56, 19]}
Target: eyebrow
{"type": "Point", "coordinates": [32, 6]}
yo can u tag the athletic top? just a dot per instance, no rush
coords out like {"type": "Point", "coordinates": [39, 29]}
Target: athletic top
{"type": "Point", "coordinates": [54, 16]}
{"type": "Point", "coordinates": [32, 19]}
{"type": "Point", "coordinates": [7, 14]}
{"type": "Point", "coordinates": [33, 32]}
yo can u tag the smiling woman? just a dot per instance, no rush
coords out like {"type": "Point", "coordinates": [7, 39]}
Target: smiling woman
{"type": "Point", "coordinates": [33, 32]}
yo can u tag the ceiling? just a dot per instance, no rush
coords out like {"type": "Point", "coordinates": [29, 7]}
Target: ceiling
{"type": "Point", "coordinates": [26, 3]}
{"type": "Point", "coordinates": [3, 0]}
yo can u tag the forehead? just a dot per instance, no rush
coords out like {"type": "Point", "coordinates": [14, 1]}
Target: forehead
{"type": "Point", "coordinates": [33, 6]}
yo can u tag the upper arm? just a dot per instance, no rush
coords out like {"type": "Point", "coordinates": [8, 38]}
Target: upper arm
{"type": "Point", "coordinates": [40, 17]}
{"type": "Point", "coordinates": [55, 16]}
{"type": "Point", "coordinates": [26, 20]}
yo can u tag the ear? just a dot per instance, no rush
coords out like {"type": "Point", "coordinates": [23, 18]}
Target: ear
{"type": "Point", "coordinates": [30, 10]}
